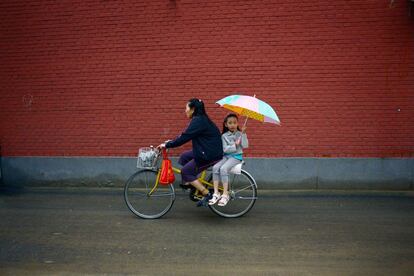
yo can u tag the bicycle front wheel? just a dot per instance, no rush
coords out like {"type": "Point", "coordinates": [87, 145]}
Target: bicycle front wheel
{"type": "Point", "coordinates": [243, 195]}
{"type": "Point", "coordinates": [144, 199]}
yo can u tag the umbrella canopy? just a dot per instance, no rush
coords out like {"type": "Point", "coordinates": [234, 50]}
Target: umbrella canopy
{"type": "Point", "coordinates": [250, 107]}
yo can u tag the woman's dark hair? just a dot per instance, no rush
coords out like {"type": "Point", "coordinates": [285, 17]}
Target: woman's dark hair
{"type": "Point", "coordinates": [230, 115]}
{"type": "Point", "coordinates": [199, 110]}
{"type": "Point", "coordinates": [198, 106]}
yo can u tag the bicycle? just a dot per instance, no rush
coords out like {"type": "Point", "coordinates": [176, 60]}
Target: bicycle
{"type": "Point", "coordinates": [148, 199]}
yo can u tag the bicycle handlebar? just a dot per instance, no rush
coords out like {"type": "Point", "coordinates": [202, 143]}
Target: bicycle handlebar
{"type": "Point", "coordinates": [163, 151]}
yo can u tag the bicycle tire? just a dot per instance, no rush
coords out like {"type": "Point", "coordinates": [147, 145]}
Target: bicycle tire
{"type": "Point", "coordinates": [140, 202]}
{"type": "Point", "coordinates": [248, 186]}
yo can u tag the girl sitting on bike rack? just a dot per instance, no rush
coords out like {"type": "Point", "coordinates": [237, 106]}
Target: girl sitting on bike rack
{"type": "Point", "coordinates": [207, 147]}
{"type": "Point", "coordinates": [234, 141]}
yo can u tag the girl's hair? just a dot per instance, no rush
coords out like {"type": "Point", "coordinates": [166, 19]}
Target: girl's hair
{"type": "Point", "coordinates": [230, 115]}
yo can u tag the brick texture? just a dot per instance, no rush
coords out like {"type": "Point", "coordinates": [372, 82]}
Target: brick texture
{"type": "Point", "coordinates": [103, 78]}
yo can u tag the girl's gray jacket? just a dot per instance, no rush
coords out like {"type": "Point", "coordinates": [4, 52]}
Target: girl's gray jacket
{"type": "Point", "coordinates": [229, 142]}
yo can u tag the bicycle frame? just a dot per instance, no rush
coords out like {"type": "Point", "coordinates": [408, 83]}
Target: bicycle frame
{"type": "Point", "coordinates": [178, 171]}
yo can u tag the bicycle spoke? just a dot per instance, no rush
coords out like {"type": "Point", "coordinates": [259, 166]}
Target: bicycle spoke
{"type": "Point", "coordinates": [162, 194]}
{"type": "Point", "coordinates": [248, 198]}
{"type": "Point", "coordinates": [146, 183]}
{"type": "Point", "coordinates": [240, 190]}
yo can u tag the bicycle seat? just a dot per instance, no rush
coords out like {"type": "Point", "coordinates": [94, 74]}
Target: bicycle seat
{"type": "Point", "coordinates": [237, 168]}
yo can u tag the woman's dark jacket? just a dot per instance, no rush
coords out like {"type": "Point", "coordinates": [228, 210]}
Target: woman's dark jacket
{"type": "Point", "coordinates": [206, 138]}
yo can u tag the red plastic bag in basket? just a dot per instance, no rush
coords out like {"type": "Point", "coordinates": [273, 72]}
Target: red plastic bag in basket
{"type": "Point", "coordinates": [167, 175]}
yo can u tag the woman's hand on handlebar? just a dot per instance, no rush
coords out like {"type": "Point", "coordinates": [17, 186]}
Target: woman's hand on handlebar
{"type": "Point", "coordinates": [161, 146]}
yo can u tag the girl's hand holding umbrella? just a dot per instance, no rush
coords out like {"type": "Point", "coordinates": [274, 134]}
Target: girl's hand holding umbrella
{"type": "Point", "coordinates": [243, 129]}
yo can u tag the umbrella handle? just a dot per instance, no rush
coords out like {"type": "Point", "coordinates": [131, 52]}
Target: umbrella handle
{"type": "Point", "coordinates": [245, 122]}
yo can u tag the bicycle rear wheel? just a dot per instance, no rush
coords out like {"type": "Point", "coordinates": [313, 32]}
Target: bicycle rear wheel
{"type": "Point", "coordinates": [140, 200]}
{"type": "Point", "coordinates": [243, 195]}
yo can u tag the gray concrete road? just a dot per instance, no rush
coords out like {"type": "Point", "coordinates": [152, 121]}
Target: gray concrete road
{"type": "Point", "coordinates": [71, 232]}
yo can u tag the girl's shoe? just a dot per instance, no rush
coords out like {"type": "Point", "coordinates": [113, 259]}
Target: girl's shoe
{"type": "Point", "coordinates": [214, 199]}
{"type": "Point", "coordinates": [223, 200]}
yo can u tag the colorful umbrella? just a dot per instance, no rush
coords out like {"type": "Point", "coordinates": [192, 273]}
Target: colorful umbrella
{"type": "Point", "coordinates": [250, 107]}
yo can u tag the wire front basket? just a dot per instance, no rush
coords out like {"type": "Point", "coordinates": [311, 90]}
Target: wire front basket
{"type": "Point", "coordinates": [147, 157]}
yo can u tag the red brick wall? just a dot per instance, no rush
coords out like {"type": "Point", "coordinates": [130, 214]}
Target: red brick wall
{"type": "Point", "coordinates": [103, 78]}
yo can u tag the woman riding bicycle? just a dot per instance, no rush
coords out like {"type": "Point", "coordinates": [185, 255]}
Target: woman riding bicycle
{"type": "Point", "coordinates": [207, 146]}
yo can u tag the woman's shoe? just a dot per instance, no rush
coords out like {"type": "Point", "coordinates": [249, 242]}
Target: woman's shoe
{"type": "Point", "coordinates": [223, 200]}
{"type": "Point", "coordinates": [204, 200]}
{"type": "Point", "coordinates": [214, 199]}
